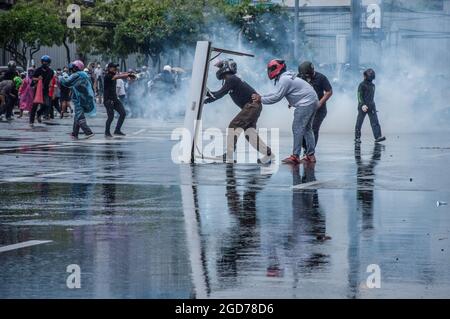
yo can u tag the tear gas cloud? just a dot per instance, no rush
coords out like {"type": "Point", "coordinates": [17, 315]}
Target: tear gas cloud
{"type": "Point", "coordinates": [411, 96]}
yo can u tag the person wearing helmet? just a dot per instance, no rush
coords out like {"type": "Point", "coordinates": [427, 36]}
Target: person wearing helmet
{"type": "Point", "coordinates": [163, 83]}
{"type": "Point", "coordinates": [303, 98]}
{"type": "Point", "coordinates": [241, 94]}
{"type": "Point", "coordinates": [322, 86]}
{"type": "Point", "coordinates": [6, 94]}
{"type": "Point", "coordinates": [366, 106]}
{"type": "Point", "coordinates": [11, 72]}
{"type": "Point", "coordinates": [83, 97]}
{"type": "Point", "coordinates": [44, 73]}
{"type": "Point", "coordinates": [11, 98]}
{"type": "Point", "coordinates": [111, 101]}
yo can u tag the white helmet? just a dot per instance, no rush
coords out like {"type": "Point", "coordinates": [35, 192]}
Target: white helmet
{"type": "Point", "coordinates": [167, 68]}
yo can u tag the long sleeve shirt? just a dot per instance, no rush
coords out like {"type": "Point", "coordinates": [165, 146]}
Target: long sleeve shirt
{"type": "Point", "coordinates": [366, 94]}
{"type": "Point", "coordinates": [296, 91]}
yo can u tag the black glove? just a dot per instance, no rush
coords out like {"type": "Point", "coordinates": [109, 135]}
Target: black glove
{"type": "Point", "coordinates": [208, 100]}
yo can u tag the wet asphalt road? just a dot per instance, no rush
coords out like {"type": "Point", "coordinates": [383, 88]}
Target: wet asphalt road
{"type": "Point", "coordinates": [140, 226]}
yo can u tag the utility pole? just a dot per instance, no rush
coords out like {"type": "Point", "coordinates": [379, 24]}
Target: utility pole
{"type": "Point", "coordinates": [296, 24]}
{"type": "Point", "coordinates": [355, 41]}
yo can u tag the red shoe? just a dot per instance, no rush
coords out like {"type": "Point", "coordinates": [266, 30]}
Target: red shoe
{"type": "Point", "coordinates": [309, 159]}
{"type": "Point", "coordinates": [293, 160]}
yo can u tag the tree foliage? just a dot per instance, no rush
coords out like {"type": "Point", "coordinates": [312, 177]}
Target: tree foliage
{"type": "Point", "coordinates": [117, 28]}
{"type": "Point", "coordinates": [27, 27]}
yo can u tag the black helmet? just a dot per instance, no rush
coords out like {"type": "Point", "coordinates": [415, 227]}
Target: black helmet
{"type": "Point", "coordinates": [369, 74]}
{"type": "Point", "coordinates": [12, 64]}
{"type": "Point", "coordinates": [228, 66]}
{"type": "Point", "coordinates": [306, 70]}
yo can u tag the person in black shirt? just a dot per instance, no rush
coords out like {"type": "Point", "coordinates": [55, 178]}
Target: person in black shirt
{"type": "Point", "coordinates": [110, 100]}
{"type": "Point", "coordinates": [241, 94]}
{"type": "Point", "coordinates": [366, 105]}
{"type": "Point", "coordinates": [324, 92]}
{"type": "Point", "coordinates": [44, 73]}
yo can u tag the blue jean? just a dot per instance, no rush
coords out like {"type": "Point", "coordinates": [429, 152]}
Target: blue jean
{"type": "Point", "coordinates": [302, 128]}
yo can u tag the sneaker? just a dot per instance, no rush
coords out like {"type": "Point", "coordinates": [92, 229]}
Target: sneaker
{"type": "Point", "coordinates": [266, 159]}
{"type": "Point", "coordinates": [293, 160]}
{"type": "Point", "coordinates": [39, 119]}
{"type": "Point", "coordinates": [309, 158]}
{"type": "Point", "coordinates": [357, 140]}
{"type": "Point", "coordinates": [89, 135]}
{"type": "Point", "coordinates": [380, 139]}
{"type": "Point", "coordinates": [73, 136]}
{"type": "Point", "coordinates": [108, 135]}
{"type": "Point", "coordinates": [119, 133]}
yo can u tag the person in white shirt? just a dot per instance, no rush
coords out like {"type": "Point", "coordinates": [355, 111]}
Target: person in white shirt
{"type": "Point", "coordinates": [120, 90]}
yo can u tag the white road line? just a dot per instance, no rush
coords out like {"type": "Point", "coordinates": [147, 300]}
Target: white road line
{"type": "Point", "coordinates": [23, 245]}
{"type": "Point", "coordinates": [308, 185]}
{"type": "Point", "coordinates": [139, 132]}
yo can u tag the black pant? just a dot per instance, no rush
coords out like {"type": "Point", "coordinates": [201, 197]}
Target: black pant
{"type": "Point", "coordinates": [9, 107]}
{"type": "Point", "coordinates": [42, 110]}
{"type": "Point", "coordinates": [116, 105]}
{"type": "Point", "coordinates": [321, 114]}
{"type": "Point", "coordinates": [373, 117]}
{"type": "Point", "coordinates": [35, 110]}
{"type": "Point", "coordinates": [78, 123]}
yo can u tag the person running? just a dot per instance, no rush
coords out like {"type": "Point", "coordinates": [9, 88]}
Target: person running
{"type": "Point", "coordinates": [44, 73]}
{"type": "Point", "coordinates": [111, 101]}
{"type": "Point", "coordinates": [65, 94]}
{"type": "Point", "coordinates": [245, 121]}
{"type": "Point", "coordinates": [303, 98]}
{"type": "Point", "coordinates": [366, 106]}
{"type": "Point", "coordinates": [324, 91]}
{"type": "Point", "coordinates": [83, 98]}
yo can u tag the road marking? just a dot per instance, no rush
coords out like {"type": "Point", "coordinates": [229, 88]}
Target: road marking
{"type": "Point", "coordinates": [23, 245]}
{"type": "Point", "coordinates": [139, 132]}
{"type": "Point", "coordinates": [308, 185]}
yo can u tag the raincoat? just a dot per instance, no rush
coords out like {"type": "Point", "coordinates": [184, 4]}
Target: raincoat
{"type": "Point", "coordinates": [26, 94]}
{"type": "Point", "coordinates": [82, 93]}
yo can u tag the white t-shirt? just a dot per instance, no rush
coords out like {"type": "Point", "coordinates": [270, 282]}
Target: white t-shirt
{"type": "Point", "coordinates": [98, 72]}
{"type": "Point", "coordinates": [120, 87]}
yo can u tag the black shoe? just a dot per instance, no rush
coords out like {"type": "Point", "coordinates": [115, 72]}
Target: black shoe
{"type": "Point", "coordinates": [119, 133]}
{"type": "Point", "coordinates": [39, 119]}
{"type": "Point", "coordinates": [108, 135]}
{"type": "Point", "coordinates": [380, 139]}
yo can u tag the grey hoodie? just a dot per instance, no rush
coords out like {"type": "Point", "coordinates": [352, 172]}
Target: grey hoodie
{"type": "Point", "coordinates": [297, 91]}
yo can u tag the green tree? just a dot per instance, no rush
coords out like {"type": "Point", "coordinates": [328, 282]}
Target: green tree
{"type": "Point", "coordinates": [27, 27]}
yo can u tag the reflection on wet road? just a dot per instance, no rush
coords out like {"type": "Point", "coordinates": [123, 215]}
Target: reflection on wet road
{"type": "Point", "coordinates": [140, 226]}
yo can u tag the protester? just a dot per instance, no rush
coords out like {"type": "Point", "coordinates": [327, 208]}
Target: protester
{"type": "Point", "coordinates": [26, 93]}
{"type": "Point", "coordinates": [6, 93]}
{"type": "Point", "coordinates": [303, 98]}
{"type": "Point", "coordinates": [120, 90]}
{"type": "Point", "coordinates": [366, 106]}
{"type": "Point", "coordinates": [65, 94]}
{"type": "Point", "coordinates": [324, 91]}
{"type": "Point", "coordinates": [45, 74]}
{"type": "Point", "coordinates": [83, 98]}
{"type": "Point", "coordinates": [111, 101]}
{"type": "Point", "coordinates": [98, 74]}
{"type": "Point", "coordinates": [246, 120]}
